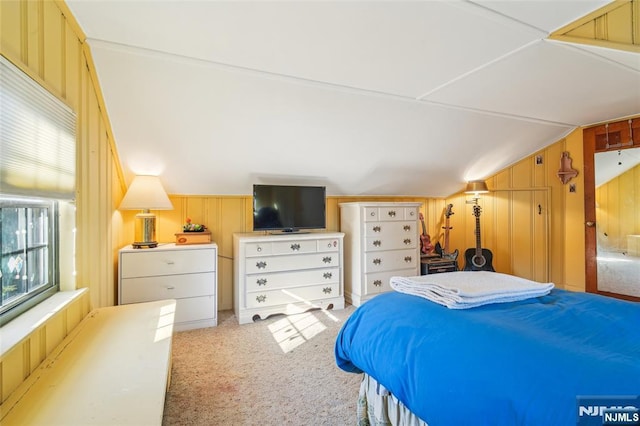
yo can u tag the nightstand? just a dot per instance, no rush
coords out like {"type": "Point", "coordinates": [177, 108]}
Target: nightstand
{"type": "Point", "coordinates": [186, 273]}
{"type": "Point", "coordinates": [436, 265]}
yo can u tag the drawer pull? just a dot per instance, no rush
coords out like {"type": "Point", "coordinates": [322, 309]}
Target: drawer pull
{"type": "Point", "coordinates": [170, 262]}
{"type": "Point", "coordinates": [171, 288]}
{"type": "Point", "coordinates": [412, 213]}
{"type": "Point", "coordinates": [376, 229]}
{"type": "Point", "coordinates": [261, 281]}
{"type": "Point", "coordinates": [407, 227]}
{"type": "Point", "coordinates": [377, 261]}
{"type": "Point", "coordinates": [261, 265]}
{"type": "Point", "coordinates": [326, 259]}
{"type": "Point", "coordinates": [259, 249]}
{"type": "Point", "coordinates": [327, 275]}
{"type": "Point", "coordinates": [261, 298]}
{"type": "Point", "coordinates": [407, 241]}
{"type": "Point", "coordinates": [295, 247]}
{"type": "Point", "coordinates": [407, 259]}
{"type": "Point", "coordinates": [377, 243]}
{"type": "Point", "coordinates": [327, 290]}
{"type": "Point", "coordinates": [392, 213]}
{"type": "Point", "coordinates": [377, 283]}
{"type": "Point", "coordinates": [372, 214]}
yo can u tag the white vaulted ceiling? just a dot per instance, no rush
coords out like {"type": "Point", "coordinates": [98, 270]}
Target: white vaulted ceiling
{"type": "Point", "coordinates": [365, 97]}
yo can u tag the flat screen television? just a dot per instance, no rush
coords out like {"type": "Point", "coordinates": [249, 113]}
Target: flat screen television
{"type": "Point", "coordinates": [288, 208]}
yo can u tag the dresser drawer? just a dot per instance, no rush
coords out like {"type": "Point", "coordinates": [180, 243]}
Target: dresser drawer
{"type": "Point", "coordinates": [294, 247]}
{"type": "Point", "coordinates": [145, 289]}
{"type": "Point", "coordinates": [258, 299]}
{"type": "Point", "coordinates": [390, 213]}
{"type": "Point", "coordinates": [266, 281]}
{"type": "Point", "coordinates": [291, 263]}
{"type": "Point", "coordinates": [257, 249]}
{"type": "Point", "coordinates": [328, 245]}
{"type": "Point", "coordinates": [148, 263]}
{"type": "Point", "coordinates": [393, 229]}
{"type": "Point", "coordinates": [387, 261]}
{"type": "Point", "coordinates": [389, 243]}
{"type": "Point", "coordinates": [195, 309]}
{"type": "Point", "coordinates": [380, 282]}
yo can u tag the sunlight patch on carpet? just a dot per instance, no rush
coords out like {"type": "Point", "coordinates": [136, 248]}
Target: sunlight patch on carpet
{"type": "Point", "coordinates": [294, 330]}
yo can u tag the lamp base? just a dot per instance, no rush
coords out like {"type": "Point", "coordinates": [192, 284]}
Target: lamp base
{"type": "Point", "coordinates": [145, 231]}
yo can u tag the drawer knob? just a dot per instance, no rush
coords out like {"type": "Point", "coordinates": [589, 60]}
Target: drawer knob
{"type": "Point", "coordinates": [261, 265]}
{"type": "Point", "coordinates": [377, 243]}
{"type": "Point", "coordinates": [295, 247]}
{"type": "Point", "coordinates": [261, 298]}
{"type": "Point", "coordinates": [377, 283]}
{"type": "Point", "coordinates": [376, 229]}
{"type": "Point", "coordinates": [407, 228]}
{"type": "Point", "coordinates": [259, 249]}
{"type": "Point", "coordinates": [407, 241]}
{"type": "Point", "coordinates": [326, 259]}
{"type": "Point", "coordinates": [327, 290]}
{"type": "Point", "coordinates": [261, 281]}
{"type": "Point", "coordinates": [377, 261]}
{"type": "Point", "coordinates": [327, 275]}
{"type": "Point", "coordinates": [392, 213]}
{"type": "Point", "coordinates": [407, 259]}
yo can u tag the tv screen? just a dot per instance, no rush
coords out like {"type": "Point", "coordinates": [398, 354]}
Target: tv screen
{"type": "Point", "coordinates": [288, 208]}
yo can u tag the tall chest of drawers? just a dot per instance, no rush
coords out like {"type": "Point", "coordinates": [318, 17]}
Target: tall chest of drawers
{"type": "Point", "coordinates": [286, 274]}
{"type": "Point", "coordinates": [186, 273]}
{"type": "Point", "coordinates": [381, 241]}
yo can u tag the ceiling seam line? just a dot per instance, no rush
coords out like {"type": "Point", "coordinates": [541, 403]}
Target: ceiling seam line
{"type": "Point", "coordinates": [474, 70]}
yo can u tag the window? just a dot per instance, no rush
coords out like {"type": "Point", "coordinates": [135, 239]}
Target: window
{"type": "Point", "coordinates": [37, 191]}
{"type": "Point", "coordinates": [28, 252]}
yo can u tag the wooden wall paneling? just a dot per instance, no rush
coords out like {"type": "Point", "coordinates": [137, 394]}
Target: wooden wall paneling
{"type": "Point", "coordinates": [618, 25]}
{"type": "Point", "coordinates": [541, 207]}
{"type": "Point", "coordinates": [33, 39]}
{"type": "Point", "coordinates": [53, 46]}
{"type": "Point", "coordinates": [523, 234]}
{"type": "Point", "coordinates": [103, 249]}
{"type": "Point", "coordinates": [11, 24]}
{"type": "Point", "coordinates": [522, 174]}
{"type": "Point", "coordinates": [540, 170]}
{"type": "Point", "coordinates": [234, 217]}
{"type": "Point", "coordinates": [73, 68]}
{"type": "Point", "coordinates": [574, 218]}
{"type": "Point", "coordinates": [626, 209]}
{"type": "Point", "coordinates": [556, 214]}
{"type": "Point", "coordinates": [503, 247]}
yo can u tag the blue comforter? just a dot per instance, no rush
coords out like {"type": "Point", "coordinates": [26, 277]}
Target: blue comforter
{"type": "Point", "coordinates": [518, 363]}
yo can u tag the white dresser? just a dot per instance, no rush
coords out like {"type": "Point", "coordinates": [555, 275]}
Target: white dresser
{"type": "Point", "coordinates": [381, 240]}
{"type": "Point", "coordinates": [186, 273]}
{"type": "Point", "coordinates": [286, 274]}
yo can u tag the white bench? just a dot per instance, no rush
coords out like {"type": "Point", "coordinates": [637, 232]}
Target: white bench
{"type": "Point", "coordinates": [113, 368]}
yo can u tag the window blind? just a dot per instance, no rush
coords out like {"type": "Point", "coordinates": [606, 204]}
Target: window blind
{"type": "Point", "coordinates": [37, 138]}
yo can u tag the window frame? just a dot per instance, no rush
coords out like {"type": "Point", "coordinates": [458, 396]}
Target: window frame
{"type": "Point", "coordinates": [25, 301]}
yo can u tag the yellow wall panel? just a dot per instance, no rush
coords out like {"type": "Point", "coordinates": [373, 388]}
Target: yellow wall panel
{"type": "Point", "coordinates": [33, 38]}
{"type": "Point", "coordinates": [521, 174]}
{"type": "Point", "coordinates": [12, 365]}
{"type": "Point", "coordinates": [56, 330]}
{"type": "Point", "coordinates": [54, 44]}
{"type": "Point", "coordinates": [619, 28]}
{"type": "Point", "coordinates": [10, 29]}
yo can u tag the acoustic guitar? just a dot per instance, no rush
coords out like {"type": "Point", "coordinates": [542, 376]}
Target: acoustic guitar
{"type": "Point", "coordinates": [478, 259]}
{"type": "Point", "coordinates": [425, 240]}
{"type": "Point", "coordinates": [444, 253]}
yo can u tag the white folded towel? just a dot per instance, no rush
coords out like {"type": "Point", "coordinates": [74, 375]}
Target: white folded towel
{"type": "Point", "coordinates": [468, 289]}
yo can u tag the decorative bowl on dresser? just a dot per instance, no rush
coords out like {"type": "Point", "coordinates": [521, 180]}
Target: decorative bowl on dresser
{"type": "Point", "coordinates": [286, 274]}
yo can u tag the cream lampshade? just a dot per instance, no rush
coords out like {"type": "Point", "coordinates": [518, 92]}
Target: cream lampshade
{"type": "Point", "coordinates": [145, 193]}
{"type": "Point", "coordinates": [476, 187]}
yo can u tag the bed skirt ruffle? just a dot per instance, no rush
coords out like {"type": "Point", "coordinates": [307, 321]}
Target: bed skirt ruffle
{"type": "Point", "coordinates": [378, 407]}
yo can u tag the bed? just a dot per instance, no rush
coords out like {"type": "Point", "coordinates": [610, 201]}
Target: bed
{"type": "Point", "coordinates": [525, 362]}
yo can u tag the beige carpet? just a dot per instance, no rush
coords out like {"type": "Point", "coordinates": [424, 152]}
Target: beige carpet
{"type": "Point", "coordinates": [280, 371]}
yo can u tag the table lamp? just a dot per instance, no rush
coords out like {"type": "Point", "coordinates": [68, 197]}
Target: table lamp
{"type": "Point", "coordinates": [145, 193]}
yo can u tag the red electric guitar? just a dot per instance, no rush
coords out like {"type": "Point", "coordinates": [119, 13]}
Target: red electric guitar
{"type": "Point", "coordinates": [444, 253]}
{"type": "Point", "coordinates": [425, 240]}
